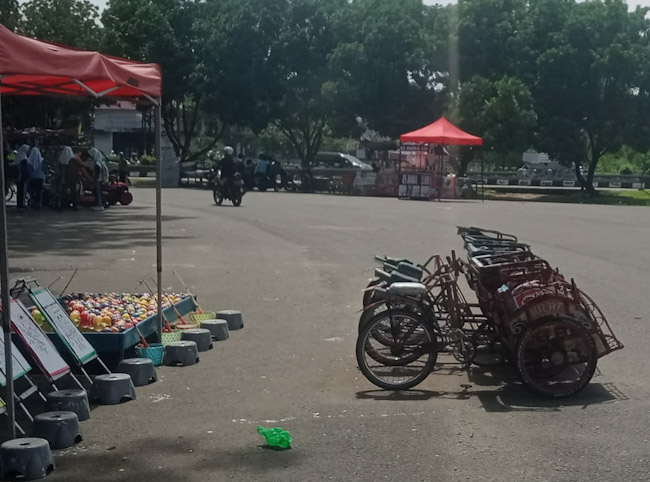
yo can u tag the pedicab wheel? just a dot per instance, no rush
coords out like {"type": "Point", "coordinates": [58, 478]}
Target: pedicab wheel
{"type": "Point", "coordinates": [218, 196]}
{"type": "Point", "coordinates": [126, 198]}
{"type": "Point", "coordinates": [556, 357]}
{"type": "Point", "coordinates": [236, 199]}
{"type": "Point", "coordinates": [397, 350]}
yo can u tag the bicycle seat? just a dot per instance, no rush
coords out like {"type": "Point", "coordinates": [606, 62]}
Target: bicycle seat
{"type": "Point", "coordinates": [407, 289]}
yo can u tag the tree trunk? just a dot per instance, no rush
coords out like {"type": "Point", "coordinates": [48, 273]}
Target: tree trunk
{"type": "Point", "coordinates": [590, 175]}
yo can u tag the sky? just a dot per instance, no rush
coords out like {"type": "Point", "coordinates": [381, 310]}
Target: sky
{"type": "Point", "coordinates": [645, 3]}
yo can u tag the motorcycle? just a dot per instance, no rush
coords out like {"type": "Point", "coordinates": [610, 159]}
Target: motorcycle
{"type": "Point", "coordinates": [233, 192]}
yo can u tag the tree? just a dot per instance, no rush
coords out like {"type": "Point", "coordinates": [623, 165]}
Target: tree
{"type": "Point", "coordinates": [165, 32]}
{"type": "Point", "coordinates": [9, 13]}
{"type": "Point", "coordinates": [269, 65]}
{"type": "Point", "coordinates": [384, 66]}
{"type": "Point", "coordinates": [502, 112]}
{"type": "Point", "coordinates": [490, 38]}
{"type": "Point", "coordinates": [592, 85]}
{"type": "Point", "coordinates": [69, 22]}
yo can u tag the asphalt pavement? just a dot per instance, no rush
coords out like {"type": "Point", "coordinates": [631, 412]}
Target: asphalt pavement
{"type": "Point", "coordinates": [295, 265]}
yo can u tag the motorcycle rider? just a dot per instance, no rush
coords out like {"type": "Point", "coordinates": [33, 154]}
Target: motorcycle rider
{"type": "Point", "coordinates": [227, 166]}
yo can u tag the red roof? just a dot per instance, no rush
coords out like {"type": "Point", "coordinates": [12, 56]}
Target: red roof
{"type": "Point", "coordinates": [33, 67]}
{"type": "Point", "coordinates": [442, 132]}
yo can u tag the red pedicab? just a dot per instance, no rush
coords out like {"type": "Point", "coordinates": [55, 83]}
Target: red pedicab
{"type": "Point", "coordinates": [549, 328]}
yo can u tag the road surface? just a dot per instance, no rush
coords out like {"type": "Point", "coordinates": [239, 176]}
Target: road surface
{"type": "Point", "coordinates": [295, 264]}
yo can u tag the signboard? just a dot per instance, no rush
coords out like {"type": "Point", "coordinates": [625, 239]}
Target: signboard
{"type": "Point", "coordinates": [37, 342]}
{"type": "Point", "coordinates": [524, 182]}
{"type": "Point", "coordinates": [502, 182]}
{"type": "Point", "coordinates": [63, 325]}
{"type": "Point", "coordinates": [415, 185]}
{"type": "Point", "coordinates": [568, 183]}
{"type": "Point", "coordinates": [19, 365]}
{"type": "Point", "coordinates": [546, 182]}
{"type": "Point", "coordinates": [415, 147]}
{"type": "Point", "coordinates": [614, 184]}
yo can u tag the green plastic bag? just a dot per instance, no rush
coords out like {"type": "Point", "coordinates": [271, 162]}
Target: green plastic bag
{"type": "Point", "coordinates": [276, 437]}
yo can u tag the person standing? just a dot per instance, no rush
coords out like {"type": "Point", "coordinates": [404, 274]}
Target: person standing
{"type": "Point", "coordinates": [23, 175]}
{"type": "Point", "coordinates": [72, 173]}
{"type": "Point", "coordinates": [123, 168]}
{"type": "Point", "coordinates": [100, 171]}
{"type": "Point", "coordinates": [36, 177]}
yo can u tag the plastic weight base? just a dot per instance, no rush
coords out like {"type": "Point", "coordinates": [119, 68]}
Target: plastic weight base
{"type": "Point", "coordinates": [181, 353]}
{"type": "Point", "coordinates": [60, 429]}
{"type": "Point", "coordinates": [69, 401]}
{"type": "Point", "coordinates": [201, 336]}
{"type": "Point", "coordinates": [26, 459]}
{"type": "Point", "coordinates": [233, 317]}
{"type": "Point", "coordinates": [113, 388]}
{"type": "Point", "coordinates": [217, 328]}
{"type": "Point", "coordinates": [141, 370]}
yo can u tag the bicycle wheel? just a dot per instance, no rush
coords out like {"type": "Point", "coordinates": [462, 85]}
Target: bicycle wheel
{"type": "Point", "coordinates": [397, 350]}
{"type": "Point", "coordinates": [556, 357]}
{"type": "Point", "coordinates": [10, 191]}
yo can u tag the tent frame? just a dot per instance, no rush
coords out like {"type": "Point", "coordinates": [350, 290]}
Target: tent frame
{"type": "Point", "coordinates": [4, 255]}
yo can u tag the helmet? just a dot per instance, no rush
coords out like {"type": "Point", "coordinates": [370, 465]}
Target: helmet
{"type": "Point", "coordinates": [229, 151]}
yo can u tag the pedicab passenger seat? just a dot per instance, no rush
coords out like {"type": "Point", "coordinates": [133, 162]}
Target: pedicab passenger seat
{"type": "Point", "coordinates": [407, 289]}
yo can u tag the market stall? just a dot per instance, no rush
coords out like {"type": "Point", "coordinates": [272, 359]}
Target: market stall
{"type": "Point", "coordinates": [423, 159]}
{"type": "Point", "coordinates": [34, 68]}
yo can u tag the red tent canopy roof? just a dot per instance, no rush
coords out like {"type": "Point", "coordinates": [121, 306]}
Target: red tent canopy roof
{"type": "Point", "coordinates": [442, 132]}
{"type": "Point", "coordinates": [33, 67]}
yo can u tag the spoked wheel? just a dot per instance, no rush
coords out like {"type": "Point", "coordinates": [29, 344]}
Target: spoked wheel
{"type": "Point", "coordinates": [10, 191]}
{"type": "Point", "coordinates": [556, 357]}
{"type": "Point", "coordinates": [397, 350]}
{"type": "Point", "coordinates": [218, 196]}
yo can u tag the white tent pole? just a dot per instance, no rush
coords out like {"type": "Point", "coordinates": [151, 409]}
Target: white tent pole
{"type": "Point", "coordinates": [86, 88]}
{"type": "Point", "coordinates": [4, 286]}
{"type": "Point", "coordinates": [158, 134]}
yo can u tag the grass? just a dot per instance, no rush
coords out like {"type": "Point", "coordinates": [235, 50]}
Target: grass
{"type": "Point", "coordinates": [607, 197]}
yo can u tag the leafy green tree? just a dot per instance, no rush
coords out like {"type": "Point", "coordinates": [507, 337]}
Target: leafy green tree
{"type": "Point", "coordinates": [384, 66]}
{"type": "Point", "coordinates": [502, 112]}
{"type": "Point", "coordinates": [490, 38]}
{"type": "Point", "coordinates": [9, 13]}
{"type": "Point", "coordinates": [592, 84]}
{"type": "Point", "coordinates": [69, 22]}
{"type": "Point", "coordinates": [165, 32]}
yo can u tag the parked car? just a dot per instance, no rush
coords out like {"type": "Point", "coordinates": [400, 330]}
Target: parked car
{"type": "Point", "coordinates": [337, 161]}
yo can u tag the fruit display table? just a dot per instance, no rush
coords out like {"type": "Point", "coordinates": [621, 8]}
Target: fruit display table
{"type": "Point", "coordinates": [109, 330]}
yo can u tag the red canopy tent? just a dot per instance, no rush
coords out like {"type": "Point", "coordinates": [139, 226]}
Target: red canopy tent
{"type": "Point", "coordinates": [442, 132]}
{"type": "Point", "coordinates": [36, 68]}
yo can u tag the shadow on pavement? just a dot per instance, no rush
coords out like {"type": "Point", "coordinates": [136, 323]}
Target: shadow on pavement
{"type": "Point", "coordinates": [171, 457]}
{"type": "Point", "coordinates": [506, 393]}
{"type": "Point", "coordinates": [82, 232]}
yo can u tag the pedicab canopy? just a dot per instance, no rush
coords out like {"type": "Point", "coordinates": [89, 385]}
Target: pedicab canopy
{"type": "Point", "coordinates": [441, 132]}
{"type": "Point", "coordinates": [33, 67]}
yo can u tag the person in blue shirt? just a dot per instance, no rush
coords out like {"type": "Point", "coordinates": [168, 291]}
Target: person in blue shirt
{"type": "Point", "coordinates": [23, 175]}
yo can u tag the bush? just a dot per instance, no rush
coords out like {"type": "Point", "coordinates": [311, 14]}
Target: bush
{"type": "Point", "coordinates": [147, 160]}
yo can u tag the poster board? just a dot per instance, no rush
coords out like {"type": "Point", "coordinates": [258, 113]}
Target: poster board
{"type": "Point", "coordinates": [63, 326]}
{"type": "Point", "coordinates": [39, 345]}
{"type": "Point", "coordinates": [20, 366]}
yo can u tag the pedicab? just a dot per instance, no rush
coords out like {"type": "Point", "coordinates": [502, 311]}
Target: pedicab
{"type": "Point", "coordinates": [526, 313]}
